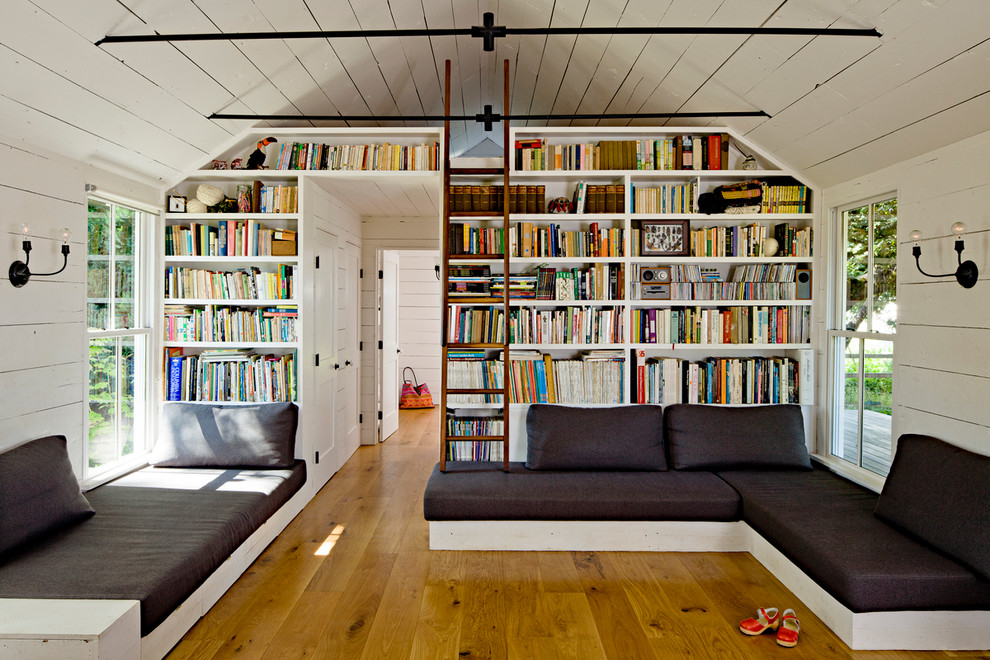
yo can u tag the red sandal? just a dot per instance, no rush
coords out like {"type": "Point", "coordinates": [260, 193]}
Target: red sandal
{"type": "Point", "coordinates": [767, 618]}
{"type": "Point", "coordinates": [790, 628]}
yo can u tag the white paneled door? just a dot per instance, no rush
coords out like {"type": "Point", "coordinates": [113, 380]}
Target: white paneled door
{"type": "Point", "coordinates": [347, 366]}
{"type": "Point", "coordinates": [388, 314]}
{"type": "Point", "coordinates": [321, 408]}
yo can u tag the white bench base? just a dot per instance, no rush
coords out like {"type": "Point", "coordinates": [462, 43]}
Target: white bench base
{"type": "Point", "coordinates": [907, 630]}
{"type": "Point", "coordinates": [46, 629]}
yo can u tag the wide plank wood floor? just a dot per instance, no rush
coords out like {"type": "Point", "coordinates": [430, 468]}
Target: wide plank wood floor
{"type": "Point", "coordinates": [352, 577]}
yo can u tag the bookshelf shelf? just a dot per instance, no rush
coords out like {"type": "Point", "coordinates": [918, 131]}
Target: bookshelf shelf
{"type": "Point", "coordinates": [231, 344]}
{"type": "Point", "coordinates": [233, 302]}
{"type": "Point", "coordinates": [228, 262]}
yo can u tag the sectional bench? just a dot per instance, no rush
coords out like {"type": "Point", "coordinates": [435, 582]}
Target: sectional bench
{"type": "Point", "coordinates": [906, 569]}
{"type": "Point", "coordinates": [126, 569]}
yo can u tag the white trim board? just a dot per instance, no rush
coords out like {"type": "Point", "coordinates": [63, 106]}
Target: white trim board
{"type": "Point", "coordinates": [905, 630]}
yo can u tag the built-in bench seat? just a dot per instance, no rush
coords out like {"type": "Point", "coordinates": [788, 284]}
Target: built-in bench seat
{"type": "Point", "coordinates": [469, 491]}
{"type": "Point", "coordinates": [907, 569]}
{"type": "Point", "coordinates": [156, 536]}
{"type": "Point", "coordinates": [125, 570]}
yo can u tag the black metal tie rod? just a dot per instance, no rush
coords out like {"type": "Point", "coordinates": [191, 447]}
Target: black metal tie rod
{"type": "Point", "coordinates": [487, 32]}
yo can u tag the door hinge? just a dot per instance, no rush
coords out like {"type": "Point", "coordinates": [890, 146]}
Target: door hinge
{"type": "Point", "coordinates": [381, 274]}
{"type": "Point", "coordinates": [317, 458]}
{"type": "Point", "coordinates": [360, 419]}
{"type": "Point", "coordinates": [317, 261]}
{"type": "Point", "coordinates": [379, 414]}
{"type": "Point", "coordinates": [380, 345]}
{"type": "Point", "coordinates": [360, 345]}
{"type": "Point", "coordinates": [361, 273]}
{"type": "Point", "coordinates": [317, 359]}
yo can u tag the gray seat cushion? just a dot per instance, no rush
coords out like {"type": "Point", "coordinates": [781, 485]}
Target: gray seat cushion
{"type": "Point", "coordinates": [940, 494]}
{"type": "Point", "coordinates": [826, 526]}
{"type": "Point", "coordinates": [39, 493]}
{"type": "Point", "coordinates": [156, 536]}
{"type": "Point", "coordinates": [748, 438]}
{"type": "Point", "coordinates": [603, 438]}
{"type": "Point", "coordinates": [468, 491]}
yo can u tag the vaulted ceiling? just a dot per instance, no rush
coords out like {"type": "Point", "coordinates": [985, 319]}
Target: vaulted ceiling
{"type": "Point", "coordinates": [838, 106]}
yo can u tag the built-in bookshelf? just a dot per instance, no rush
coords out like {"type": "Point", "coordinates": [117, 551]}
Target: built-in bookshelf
{"type": "Point", "coordinates": [630, 292]}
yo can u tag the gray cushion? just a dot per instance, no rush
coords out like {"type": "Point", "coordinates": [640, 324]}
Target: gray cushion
{"type": "Point", "coordinates": [39, 493]}
{"type": "Point", "coordinates": [718, 438]}
{"type": "Point", "coordinates": [473, 491]}
{"type": "Point", "coordinates": [613, 438]}
{"type": "Point", "coordinates": [940, 493]}
{"type": "Point", "coordinates": [826, 526]}
{"type": "Point", "coordinates": [157, 535]}
{"type": "Point", "coordinates": [208, 435]}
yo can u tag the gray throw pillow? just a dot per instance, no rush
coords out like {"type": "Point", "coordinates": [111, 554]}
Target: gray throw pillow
{"type": "Point", "coordinates": [940, 493]}
{"type": "Point", "coordinates": [748, 438]}
{"type": "Point", "coordinates": [208, 435]}
{"type": "Point", "coordinates": [39, 493]}
{"type": "Point", "coordinates": [612, 438]}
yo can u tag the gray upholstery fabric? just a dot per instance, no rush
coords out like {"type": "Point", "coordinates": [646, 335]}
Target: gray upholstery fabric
{"type": "Point", "coordinates": [156, 536]}
{"type": "Point", "coordinates": [211, 435]}
{"type": "Point", "coordinates": [826, 526]}
{"type": "Point", "coordinates": [614, 438]}
{"type": "Point", "coordinates": [940, 494]}
{"type": "Point", "coordinates": [718, 438]}
{"type": "Point", "coordinates": [467, 492]}
{"type": "Point", "coordinates": [39, 492]}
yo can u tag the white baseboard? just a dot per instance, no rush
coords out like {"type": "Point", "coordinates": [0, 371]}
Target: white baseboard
{"type": "Point", "coordinates": [659, 536]}
{"type": "Point", "coordinates": [866, 631]}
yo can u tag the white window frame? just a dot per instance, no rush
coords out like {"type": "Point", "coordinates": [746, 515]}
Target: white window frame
{"type": "Point", "coordinates": [146, 228]}
{"type": "Point", "coordinates": [836, 329]}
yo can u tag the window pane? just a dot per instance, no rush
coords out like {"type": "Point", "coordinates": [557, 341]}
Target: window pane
{"type": "Point", "coordinates": [126, 399]}
{"type": "Point", "coordinates": [102, 401]}
{"type": "Point", "coordinates": [878, 370]}
{"type": "Point", "coordinates": [98, 275]}
{"type": "Point", "coordinates": [857, 226]}
{"type": "Point", "coordinates": [885, 266]}
{"type": "Point", "coordinates": [846, 439]}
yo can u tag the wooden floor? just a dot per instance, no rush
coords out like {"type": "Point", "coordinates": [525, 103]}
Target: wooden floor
{"type": "Point", "coordinates": [352, 577]}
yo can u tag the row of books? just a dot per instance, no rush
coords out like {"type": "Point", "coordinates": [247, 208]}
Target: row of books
{"type": "Point", "coordinates": [483, 425]}
{"type": "Point", "coordinates": [669, 198]}
{"type": "Point", "coordinates": [230, 324]}
{"type": "Point", "coordinates": [229, 238]}
{"type": "Point", "coordinates": [599, 281]}
{"type": "Point", "coordinates": [731, 291]}
{"type": "Point", "coordinates": [572, 325]}
{"type": "Point", "coordinates": [379, 157]}
{"type": "Point", "coordinates": [682, 152]}
{"type": "Point", "coordinates": [764, 324]}
{"type": "Point", "coordinates": [477, 450]}
{"type": "Point", "coordinates": [746, 380]}
{"type": "Point", "coordinates": [751, 240]}
{"type": "Point", "coordinates": [785, 198]}
{"type": "Point", "coordinates": [230, 375]}
{"type": "Point", "coordinates": [529, 240]}
{"type": "Point", "coordinates": [595, 377]}
{"type": "Point", "coordinates": [771, 272]}
{"type": "Point", "coordinates": [475, 325]}
{"type": "Point", "coordinates": [241, 284]}
{"type": "Point", "coordinates": [478, 199]}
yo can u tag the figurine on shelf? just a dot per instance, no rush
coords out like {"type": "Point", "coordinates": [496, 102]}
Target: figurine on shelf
{"type": "Point", "coordinates": [219, 164]}
{"type": "Point", "coordinates": [237, 164]}
{"type": "Point", "coordinates": [256, 160]}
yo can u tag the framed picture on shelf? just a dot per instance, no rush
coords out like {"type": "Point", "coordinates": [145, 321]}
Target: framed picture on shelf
{"type": "Point", "coordinates": [665, 238]}
{"type": "Point", "coordinates": [176, 204]}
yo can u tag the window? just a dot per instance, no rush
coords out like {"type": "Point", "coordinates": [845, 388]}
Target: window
{"type": "Point", "coordinates": [861, 341]}
{"type": "Point", "coordinates": [118, 336]}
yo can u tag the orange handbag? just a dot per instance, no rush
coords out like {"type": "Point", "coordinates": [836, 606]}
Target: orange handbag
{"type": "Point", "coordinates": [413, 394]}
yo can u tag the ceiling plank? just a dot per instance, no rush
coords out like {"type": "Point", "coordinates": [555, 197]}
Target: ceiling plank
{"type": "Point", "coordinates": [557, 52]}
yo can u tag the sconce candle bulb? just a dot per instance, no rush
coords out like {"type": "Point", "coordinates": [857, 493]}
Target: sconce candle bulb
{"type": "Point", "coordinates": [966, 273]}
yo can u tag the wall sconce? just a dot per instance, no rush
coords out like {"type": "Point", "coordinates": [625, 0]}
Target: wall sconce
{"type": "Point", "coordinates": [966, 274]}
{"type": "Point", "coordinates": [20, 273]}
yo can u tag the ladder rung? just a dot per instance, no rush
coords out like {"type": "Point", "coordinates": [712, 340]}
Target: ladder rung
{"type": "Point", "coordinates": [477, 170]}
{"type": "Point", "coordinates": [474, 391]}
{"type": "Point", "coordinates": [475, 438]}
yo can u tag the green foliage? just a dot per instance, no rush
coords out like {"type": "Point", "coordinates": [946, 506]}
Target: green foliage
{"type": "Point", "coordinates": [884, 261]}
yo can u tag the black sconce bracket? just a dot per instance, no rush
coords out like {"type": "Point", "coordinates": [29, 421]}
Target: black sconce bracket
{"type": "Point", "coordinates": [19, 272]}
{"type": "Point", "coordinates": [966, 273]}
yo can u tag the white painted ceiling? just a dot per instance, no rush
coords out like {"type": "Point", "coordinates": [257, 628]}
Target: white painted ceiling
{"type": "Point", "coordinates": [839, 106]}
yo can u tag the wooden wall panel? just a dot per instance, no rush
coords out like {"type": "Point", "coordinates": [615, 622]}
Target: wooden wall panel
{"type": "Point", "coordinates": [419, 316]}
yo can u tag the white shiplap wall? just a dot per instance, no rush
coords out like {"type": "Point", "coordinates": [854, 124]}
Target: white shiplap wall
{"type": "Point", "coordinates": [43, 374]}
{"type": "Point", "coordinates": [942, 361]}
{"type": "Point", "coordinates": [419, 316]}
{"type": "Point", "coordinates": [385, 233]}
